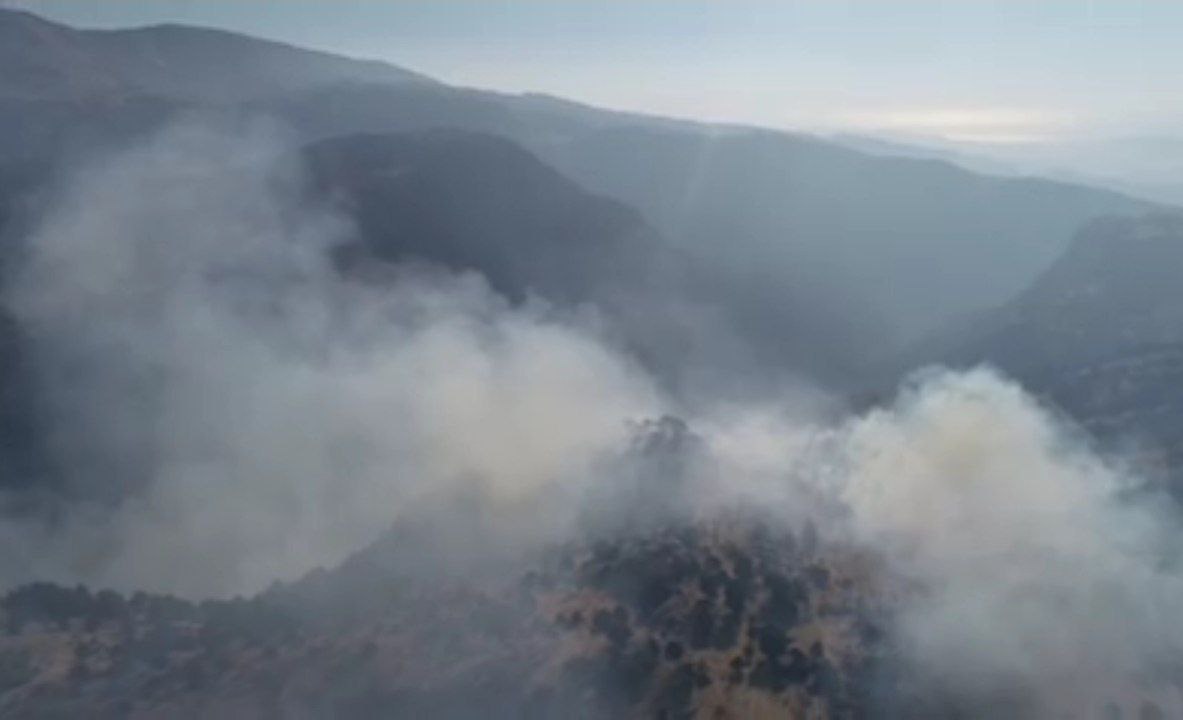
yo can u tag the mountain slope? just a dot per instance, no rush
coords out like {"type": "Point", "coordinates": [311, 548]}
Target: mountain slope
{"type": "Point", "coordinates": [479, 202]}
{"type": "Point", "coordinates": [23, 459]}
{"type": "Point", "coordinates": [915, 239]}
{"type": "Point", "coordinates": [45, 60]}
{"type": "Point", "coordinates": [1114, 291]}
{"type": "Point", "coordinates": [1100, 334]}
{"type": "Point", "coordinates": [459, 201]}
{"type": "Point", "coordinates": [476, 202]}
{"type": "Point", "coordinates": [718, 620]}
{"type": "Point", "coordinates": [827, 255]}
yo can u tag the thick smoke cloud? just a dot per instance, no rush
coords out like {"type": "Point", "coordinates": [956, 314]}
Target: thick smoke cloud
{"type": "Point", "coordinates": [1043, 574]}
{"type": "Point", "coordinates": [260, 415]}
{"type": "Point", "coordinates": [1026, 575]}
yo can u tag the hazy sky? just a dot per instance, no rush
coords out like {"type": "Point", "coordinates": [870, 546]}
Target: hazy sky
{"type": "Point", "coordinates": [1001, 70]}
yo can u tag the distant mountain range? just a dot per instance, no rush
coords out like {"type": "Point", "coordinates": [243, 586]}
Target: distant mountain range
{"type": "Point", "coordinates": [824, 255]}
{"type": "Point", "coordinates": [48, 61]}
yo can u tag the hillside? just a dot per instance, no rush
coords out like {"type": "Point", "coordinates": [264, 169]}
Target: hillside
{"type": "Point", "coordinates": [1100, 334]}
{"type": "Point", "coordinates": [826, 254]}
{"type": "Point", "coordinates": [479, 202]}
{"type": "Point", "coordinates": [690, 621]}
{"type": "Point", "coordinates": [915, 239]}
{"type": "Point", "coordinates": [442, 202]}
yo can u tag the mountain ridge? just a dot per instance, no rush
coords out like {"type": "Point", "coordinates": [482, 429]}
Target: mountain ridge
{"type": "Point", "coordinates": [834, 249]}
{"type": "Point", "coordinates": [159, 60]}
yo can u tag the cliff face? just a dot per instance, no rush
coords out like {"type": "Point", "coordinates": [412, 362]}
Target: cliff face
{"type": "Point", "coordinates": [713, 620]}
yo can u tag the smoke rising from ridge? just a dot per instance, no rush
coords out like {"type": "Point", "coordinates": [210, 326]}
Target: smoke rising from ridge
{"type": "Point", "coordinates": [199, 350]}
{"type": "Point", "coordinates": [259, 414]}
{"type": "Point", "coordinates": [1044, 572]}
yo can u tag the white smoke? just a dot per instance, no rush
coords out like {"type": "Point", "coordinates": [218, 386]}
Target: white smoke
{"type": "Point", "coordinates": [197, 344]}
{"type": "Point", "coordinates": [1031, 576]}
{"type": "Point", "coordinates": [1041, 569]}
{"type": "Point", "coordinates": [272, 416]}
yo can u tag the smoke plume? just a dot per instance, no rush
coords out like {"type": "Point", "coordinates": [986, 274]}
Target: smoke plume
{"type": "Point", "coordinates": [249, 412]}
{"type": "Point", "coordinates": [1044, 577]}
{"type": "Point", "coordinates": [227, 409]}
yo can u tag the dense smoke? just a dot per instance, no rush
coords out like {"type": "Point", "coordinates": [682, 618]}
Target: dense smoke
{"type": "Point", "coordinates": [261, 414]}
{"type": "Point", "coordinates": [1043, 571]}
{"type": "Point", "coordinates": [230, 410]}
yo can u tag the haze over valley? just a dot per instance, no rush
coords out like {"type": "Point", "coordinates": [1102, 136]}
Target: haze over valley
{"type": "Point", "coordinates": [333, 388]}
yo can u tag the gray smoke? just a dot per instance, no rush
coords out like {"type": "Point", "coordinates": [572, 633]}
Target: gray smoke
{"type": "Point", "coordinates": [262, 415]}
{"type": "Point", "coordinates": [200, 353]}
{"type": "Point", "coordinates": [1044, 573]}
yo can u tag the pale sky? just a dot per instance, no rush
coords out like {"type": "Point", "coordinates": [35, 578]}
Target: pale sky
{"type": "Point", "coordinates": [991, 70]}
